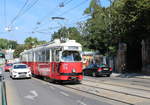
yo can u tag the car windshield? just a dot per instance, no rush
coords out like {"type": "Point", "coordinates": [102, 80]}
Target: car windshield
{"type": "Point", "coordinates": [10, 64]}
{"type": "Point", "coordinates": [71, 56]}
{"type": "Point", "coordinates": [20, 66]}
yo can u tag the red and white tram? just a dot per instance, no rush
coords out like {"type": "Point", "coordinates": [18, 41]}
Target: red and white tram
{"type": "Point", "coordinates": [56, 60]}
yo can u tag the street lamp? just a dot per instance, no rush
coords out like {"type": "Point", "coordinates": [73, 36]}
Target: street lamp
{"type": "Point", "coordinates": [60, 18]}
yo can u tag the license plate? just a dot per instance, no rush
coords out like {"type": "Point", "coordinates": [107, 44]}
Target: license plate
{"type": "Point", "coordinates": [22, 75]}
{"type": "Point", "coordinates": [105, 69]}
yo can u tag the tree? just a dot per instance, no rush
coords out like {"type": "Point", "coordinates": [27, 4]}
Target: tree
{"type": "Point", "coordinates": [71, 33]}
{"type": "Point", "coordinates": [30, 42]}
{"type": "Point", "coordinates": [20, 48]}
{"type": "Point", "coordinates": [12, 44]}
{"type": "Point", "coordinates": [98, 27]}
{"type": "Point", "coordinates": [6, 44]}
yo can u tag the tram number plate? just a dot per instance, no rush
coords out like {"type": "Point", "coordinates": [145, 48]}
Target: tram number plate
{"type": "Point", "coordinates": [73, 77]}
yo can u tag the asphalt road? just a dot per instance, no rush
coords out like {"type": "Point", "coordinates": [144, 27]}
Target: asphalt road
{"type": "Point", "coordinates": [38, 92]}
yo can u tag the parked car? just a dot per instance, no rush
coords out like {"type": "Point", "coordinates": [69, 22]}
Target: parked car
{"type": "Point", "coordinates": [1, 73]}
{"type": "Point", "coordinates": [97, 70]}
{"type": "Point", "coordinates": [20, 71]}
{"type": "Point", "coordinates": [8, 66]}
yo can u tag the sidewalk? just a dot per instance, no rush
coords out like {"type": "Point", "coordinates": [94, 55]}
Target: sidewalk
{"type": "Point", "coordinates": [131, 75]}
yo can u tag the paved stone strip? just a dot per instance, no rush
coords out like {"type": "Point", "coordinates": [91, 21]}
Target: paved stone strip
{"type": "Point", "coordinates": [130, 91]}
{"type": "Point", "coordinates": [118, 84]}
{"type": "Point", "coordinates": [110, 94]}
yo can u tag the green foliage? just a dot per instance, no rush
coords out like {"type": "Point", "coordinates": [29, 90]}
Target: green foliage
{"type": "Point", "coordinates": [20, 48]}
{"type": "Point", "coordinates": [71, 33]}
{"type": "Point", "coordinates": [6, 44]}
{"type": "Point", "coordinates": [32, 42]}
{"type": "Point", "coordinates": [123, 21]}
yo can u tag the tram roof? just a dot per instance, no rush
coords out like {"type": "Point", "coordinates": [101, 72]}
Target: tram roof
{"type": "Point", "coordinates": [54, 44]}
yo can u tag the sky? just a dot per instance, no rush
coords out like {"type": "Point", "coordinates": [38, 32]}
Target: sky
{"type": "Point", "coordinates": [33, 18]}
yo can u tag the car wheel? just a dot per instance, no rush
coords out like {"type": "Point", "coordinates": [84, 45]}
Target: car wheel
{"type": "Point", "coordinates": [94, 74]}
{"type": "Point", "coordinates": [84, 73]}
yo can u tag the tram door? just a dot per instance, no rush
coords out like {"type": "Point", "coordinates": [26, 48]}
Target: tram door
{"type": "Point", "coordinates": [55, 63]}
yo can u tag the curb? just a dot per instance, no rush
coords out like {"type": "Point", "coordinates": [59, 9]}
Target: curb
{"type": "Point", "coordinates": [130, 76]}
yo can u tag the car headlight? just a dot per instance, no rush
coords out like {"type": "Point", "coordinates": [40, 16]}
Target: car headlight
{"type": "Point", "coordinates": [14, 72]}
{"type": "Point", "coordinates": [29, 71]}
{"type": "Point", "coordinates": [73, 70]}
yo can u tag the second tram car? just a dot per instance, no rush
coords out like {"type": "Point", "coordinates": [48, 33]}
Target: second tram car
{"type": "Point", "coordinates": [59, 61]}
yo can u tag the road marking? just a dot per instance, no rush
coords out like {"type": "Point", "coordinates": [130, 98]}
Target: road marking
{"type": "Point", "coordinates": [32, 95]}
{"type": "Point", "coordinates": [81, 103]}
{"type": "Point", "coordinates": [52, 87]}
{"type": "Point", "coordinates": [63, 93]}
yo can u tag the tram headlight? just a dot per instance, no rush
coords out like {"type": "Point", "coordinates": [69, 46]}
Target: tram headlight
{"type": "Point", "coordinates": [73, 70]}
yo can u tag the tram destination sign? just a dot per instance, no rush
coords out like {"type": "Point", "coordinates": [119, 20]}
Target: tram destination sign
{"type": "Point", "coordinates": [73, 47]}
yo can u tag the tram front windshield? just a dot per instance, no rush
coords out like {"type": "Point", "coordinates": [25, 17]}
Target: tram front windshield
{"type": "Point", "coordinates": [71, 56]}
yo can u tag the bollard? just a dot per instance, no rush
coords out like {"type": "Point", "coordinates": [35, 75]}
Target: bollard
{"type": "Point", "coordinates": [3, 93]}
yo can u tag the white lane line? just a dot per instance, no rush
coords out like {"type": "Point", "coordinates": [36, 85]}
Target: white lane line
{"type": "Point", "coordinates": [52, 87]}
{"type": "Point", "coordinates": [32, 95]}
{"type": "Point", "coordinates": [63, 93]}
{"type": "Point", "coordinates": [81, 103]}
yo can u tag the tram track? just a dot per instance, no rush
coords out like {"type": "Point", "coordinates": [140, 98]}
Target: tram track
{"type": "Point", "coordinates": [117, 91]}
{"type": "Point", "coordinates": [99, 95]}
{"type": "Point", "coordinates": [130, 99]}
{"type": "Point", "coordinates": [76, 90]}
{"type": "Point", "coordinates": [122, 97]}
{"type": "Point", "coordinates": [120, 85]}
{"type": "Point", "coordinates": [126, 98]}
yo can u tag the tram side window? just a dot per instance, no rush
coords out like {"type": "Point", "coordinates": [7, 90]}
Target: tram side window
{"type": "Point", "coordinates": [53, 55]}
{"type": "Point", "coordinates": [56, 55]}
{"type": "Point", "coordinates": [38, 56]}
{"type": "Point", "coordinates": [30, 57]}
{"type": "Point", "coordinates": [43, 56]}
{"type": "Point", "coordinates": [47, 55]}
{"type": "Point", "coordinates": [26, 57]}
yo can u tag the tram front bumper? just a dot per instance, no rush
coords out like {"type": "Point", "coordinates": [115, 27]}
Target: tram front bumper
{"type": "Point", "coordinates": [71, 76]}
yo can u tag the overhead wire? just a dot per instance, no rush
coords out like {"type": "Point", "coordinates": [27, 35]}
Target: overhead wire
{"type": "Point", "coordinates": [69, 10]}
{"type": "Point", "coordinates": [26, 7]}
{"type": "Point", "coordinates": [78, 5]}
{"type": "Point", "coordinates": [19, 13]}
{"type": "Point", "coordinates": [5, 15]}
{"type": "Point", "coordinates": [54, 10]}
{"type": "Point", "coordinates": [84, 17]}
{"type": "Point", "coordinates": [67, 2]}
{"type": "Point", "coordinates": [29, 7]}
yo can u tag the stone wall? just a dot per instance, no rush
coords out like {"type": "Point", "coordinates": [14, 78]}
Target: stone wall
{"type": "Point", "coordinates": [146, 56]}
{"type": "Point", "coordinates": [120, 65]}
